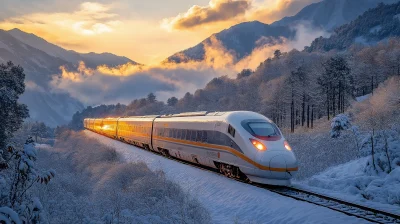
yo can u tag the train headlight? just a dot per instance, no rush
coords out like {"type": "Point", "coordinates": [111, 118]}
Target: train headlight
{"type": "Point", "coordinates": [258, 145]}
{"type": "Point", "coordinates": [287, 146]}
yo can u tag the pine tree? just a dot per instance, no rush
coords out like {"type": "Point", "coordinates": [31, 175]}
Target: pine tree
{"type": "Point", "coordinates": [12, 113]}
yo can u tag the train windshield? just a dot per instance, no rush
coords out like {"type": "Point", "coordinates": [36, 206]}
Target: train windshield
{"type": "Point", "coordinates": [263, 129]}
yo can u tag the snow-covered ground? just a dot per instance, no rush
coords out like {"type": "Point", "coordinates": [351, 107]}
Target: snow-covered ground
{"type": "Point", "coordinates": [227, 200]}
{"type": "Point", "coordinates": [349, 181]}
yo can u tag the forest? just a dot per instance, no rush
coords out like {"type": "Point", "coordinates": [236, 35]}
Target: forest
{"type": "Point", "coordinates": [292, 88]}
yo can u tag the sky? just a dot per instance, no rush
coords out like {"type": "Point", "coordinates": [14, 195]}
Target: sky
{"type": "Point", "coordinates": [144, 31]}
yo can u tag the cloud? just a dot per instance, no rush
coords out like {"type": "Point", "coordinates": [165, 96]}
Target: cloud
{"type": "Point", "coordinates": [215, 11]}
{"type": "Point", "coordinates": [127, 82]}
{"type": "Point", "coordinates": [232, 12]}
{"type": "Point", "coordinates": [272, 10]}
{"type": "Point", "coordinates": [89, 19]}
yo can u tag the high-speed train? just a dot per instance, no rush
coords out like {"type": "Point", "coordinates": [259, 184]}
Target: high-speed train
{"type": "Point", "coordinates": [240, 144]}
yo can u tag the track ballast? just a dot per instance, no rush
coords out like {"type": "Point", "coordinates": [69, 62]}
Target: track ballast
{"type": "Point", "coordinates": [336, 204]}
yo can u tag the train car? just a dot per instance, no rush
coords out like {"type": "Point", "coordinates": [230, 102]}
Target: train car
{"type": "Point", "coordinates": [97, 125]}
{"type": "Point", "coordinates": [86, 123]}
{"type": "Point", "coordinates": [240, 144]}
{"type": "Point", "coordinates": [136, 130]}
{"type": "Point", "coordinates": [236, 143]}
{"type": "Point", "coordinates": [109, 127]}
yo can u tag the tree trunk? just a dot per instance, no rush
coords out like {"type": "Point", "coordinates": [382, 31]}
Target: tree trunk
{"type": "Point", "coordinates": [303, 110]}
{"type": "Point", "coordinates": [340, 98]}
{"type": "Point", "coordinates": [333, 101]}
{"type": "Point", "coordinates": [387, 151]}
{"type": "Point", "coordinates": [327, 102]}
{"type": "Point", "coordinates": [308, 115]}
{"type": "Point", "coordinates": [373, 149]}
{"type": "Point", "coordinates": [292, 116]}
{"type": "Point", "coordinates": [372, 85]}
{"type": "Point", "coordinates": [312, 116]}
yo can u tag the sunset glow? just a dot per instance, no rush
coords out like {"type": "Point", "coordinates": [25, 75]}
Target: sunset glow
{"type": "Point", "coordinates": [142, 31]}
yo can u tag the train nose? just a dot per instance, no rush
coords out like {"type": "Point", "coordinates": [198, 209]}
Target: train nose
{"type": "Point", "coordinates": [283, 166]}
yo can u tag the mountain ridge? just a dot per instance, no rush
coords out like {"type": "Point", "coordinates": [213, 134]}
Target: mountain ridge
{"type": "Point", "coordinates": [374, 25]}
{"type": "Point", "coordinates": [91, 59]}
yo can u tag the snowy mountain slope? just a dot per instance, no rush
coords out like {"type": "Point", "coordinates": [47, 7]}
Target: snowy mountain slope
{"type": "Point", "coordinates": [330, 14]}
{"type": "Point", "coordinates": [91, 59]}
{"type": "Point", "coordinates": [38, 65]}
{"type": "Point", "coordinates": [241, 39]}
{"type": "Point", "coordinates": [374, 25]}
{"type": "Point", "coordinates": [53, 109]}
{"type": "Point", "coordinates": [227, 200]}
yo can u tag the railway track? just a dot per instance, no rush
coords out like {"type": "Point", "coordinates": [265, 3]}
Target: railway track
{"type": "Point", "coordinates": [336, 204]}
{"type": "Point", "coordinates": [346, 207]}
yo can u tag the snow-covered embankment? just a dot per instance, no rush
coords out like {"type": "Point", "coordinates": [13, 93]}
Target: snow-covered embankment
{"type": "Point", "coordinates": [227, 200]}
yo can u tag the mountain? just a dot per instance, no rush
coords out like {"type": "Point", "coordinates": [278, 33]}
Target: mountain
{"type": "Point", "coordinates": [52, 108]}
{"type": "Point", "coordinates": [91, 59]}
{"type": "Point", "coordinates": [329, 14]}
{"type": "Point", "coordinates": [40, 65]}
{"type": "Point", "coordinates": [373, 26]}
{"type": "Point", "coordinates": [243, 38]}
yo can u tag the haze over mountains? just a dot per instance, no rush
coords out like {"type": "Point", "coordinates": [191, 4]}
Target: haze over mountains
{"type": "Point", "coordinates": [42, 60]}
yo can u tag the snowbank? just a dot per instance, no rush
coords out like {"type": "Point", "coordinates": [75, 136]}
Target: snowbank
{"type": "Point", "coordinates": [349, 181]}
{"type": "Point", "coordinates": [94, 185]}
{"type": "Point", "coordinates": [227, 200]}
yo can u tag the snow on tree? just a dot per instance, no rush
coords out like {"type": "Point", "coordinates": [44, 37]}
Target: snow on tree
{"type": "Point", "coordinates": [172, 101]}
{"type": "Point", "coordinates": [12, 113]}
{"type": "Point", "coordinates": [39, 129]}
{"type": "Point", "coordinates": [21, 174]}
{"type": "Point", "coordinates": [340, 123]}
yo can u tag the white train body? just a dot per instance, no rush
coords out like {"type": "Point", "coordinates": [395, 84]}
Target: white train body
{"type": "Point", "coordinates": [236, 143]}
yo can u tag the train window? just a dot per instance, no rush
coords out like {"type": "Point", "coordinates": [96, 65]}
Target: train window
{"type": "Point", "coordinates": [193, 135]}
{"type": "Point", "coordinates": [199, 136]}
{"type": "Point", "coordinates": [175, 133]}
{"type": "Point", "coordinates": [179, 134]}
{"type": "Point", "coordinates": [204, 136]}
{"type": "Point", "coordinates": [210, 135]}
{"type": "Point", "coordinates": [231, 131]}
{"type": "Point", "coordinates": [217, 138]}
{"type": "Point", "coordinates": [183, 135]}
{"type": "Point", "coordinates": [188, 135]}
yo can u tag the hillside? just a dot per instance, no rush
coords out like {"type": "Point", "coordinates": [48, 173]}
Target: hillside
{"type": "Point", "coordinates": [330, 14]}
{"type": "Point", "coordinates": [241, 39]}
{"type": "Point", "coordinates": [39, 67]}
{"type": "Point", "coordinates": [374, 25]}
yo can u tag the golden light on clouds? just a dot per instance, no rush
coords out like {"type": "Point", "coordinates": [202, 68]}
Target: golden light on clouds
{"type": "Point", "coordinates": [215, 11]}
{"type": "Point", "coordinates": [223, 12]}
{"type": "Point", "coordinates": [97, 27]}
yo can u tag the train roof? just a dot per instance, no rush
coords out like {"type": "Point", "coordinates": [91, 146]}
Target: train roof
{"type": "Point", "coordinates": [201, 115]}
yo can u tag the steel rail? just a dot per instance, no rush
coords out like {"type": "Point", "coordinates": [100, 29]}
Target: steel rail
{"type": "Point", "coordinates": [336, 204]}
